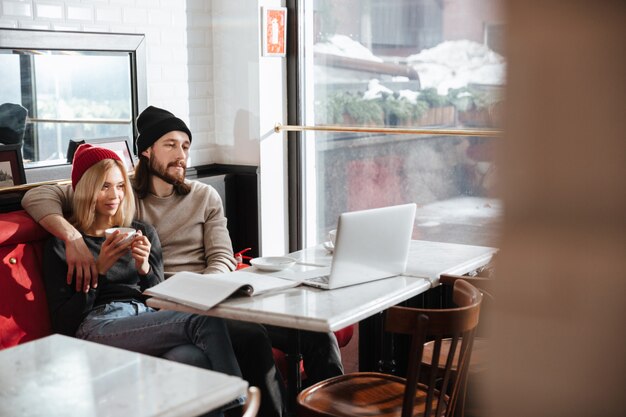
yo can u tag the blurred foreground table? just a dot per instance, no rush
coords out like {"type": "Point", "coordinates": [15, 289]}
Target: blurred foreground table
{"type": "Point", "coordinates": [63, 376]}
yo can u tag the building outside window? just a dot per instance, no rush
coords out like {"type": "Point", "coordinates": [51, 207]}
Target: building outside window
{"type": "Point", "coordinates": [419, 64]}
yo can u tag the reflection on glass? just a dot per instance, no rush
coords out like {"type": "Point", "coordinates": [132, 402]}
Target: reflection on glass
{"type": "Point", "coordinates": [69, 95]}
{"type": "Point", "coordinates": [53, 138]}
{"type": "Point", "coordinates": [416, 64]}
{"type": "Point", "coordinates": [82, 86]}
{"type": "Point", "coordinates": [10, 76]}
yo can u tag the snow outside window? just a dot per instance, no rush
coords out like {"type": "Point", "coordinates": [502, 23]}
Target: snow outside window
{"type": "Point", "coordinates": [396, 63]}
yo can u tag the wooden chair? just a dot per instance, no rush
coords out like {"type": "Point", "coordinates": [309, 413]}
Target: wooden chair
{"type": "Point", "coordinates": [480, 352]}
{"type": "Point", "coordinates": [376, 394]}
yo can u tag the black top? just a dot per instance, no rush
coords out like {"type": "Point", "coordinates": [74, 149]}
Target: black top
{"type": "Point", "coordinates": [122, 282]}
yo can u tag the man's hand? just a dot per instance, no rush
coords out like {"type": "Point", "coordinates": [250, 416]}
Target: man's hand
{"type": "Point", "coordinates": [81, 265]}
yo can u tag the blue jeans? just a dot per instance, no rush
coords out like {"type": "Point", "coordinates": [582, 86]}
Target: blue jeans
{"type": "Point", "coordinates": [188, 338]}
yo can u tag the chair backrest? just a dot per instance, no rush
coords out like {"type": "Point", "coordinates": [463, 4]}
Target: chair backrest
{"type": "Point", "coordinates": [422, 325]}
{"type": "Point", "coordinates": [487, 286]}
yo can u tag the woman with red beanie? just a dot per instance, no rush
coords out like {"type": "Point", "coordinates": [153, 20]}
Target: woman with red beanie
{"type": "Point", "coordinates": [114, 312]}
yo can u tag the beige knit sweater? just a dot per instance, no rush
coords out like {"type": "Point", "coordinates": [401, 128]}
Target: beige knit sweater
{"type": "Point", "coordinates": [192, 228]}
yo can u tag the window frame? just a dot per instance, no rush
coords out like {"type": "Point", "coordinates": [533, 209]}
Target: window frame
{"type": "Point", "coordinates": [295, 116]}
{"type": "Point", "coordinates": [299, 161]}
{"type": "Point", "coordinates": [133, 44]}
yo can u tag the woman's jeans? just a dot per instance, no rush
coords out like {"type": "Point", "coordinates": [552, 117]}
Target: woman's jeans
{"type": "Point", "coordinates": [187, 338]}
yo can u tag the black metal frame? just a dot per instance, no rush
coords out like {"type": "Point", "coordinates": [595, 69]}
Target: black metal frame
{"type": "Point", "coordinates": [295, 115]}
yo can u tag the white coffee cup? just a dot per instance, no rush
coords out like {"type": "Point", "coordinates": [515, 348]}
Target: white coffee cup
{"type": "Point", "coordinates": [123, 230]}
{"type": "Point", "coordinates": [332, 236]}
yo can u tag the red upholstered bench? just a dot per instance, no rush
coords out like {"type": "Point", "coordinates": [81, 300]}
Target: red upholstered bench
{"type": "Point", "coordinates": [23, 307]}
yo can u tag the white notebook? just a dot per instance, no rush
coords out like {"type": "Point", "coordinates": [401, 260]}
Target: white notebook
{"type": "Point", "coordinates": [203, 291]}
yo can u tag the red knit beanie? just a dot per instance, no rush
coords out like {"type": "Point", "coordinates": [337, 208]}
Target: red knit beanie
{"type": "Point", "coordinates": [87, 156]}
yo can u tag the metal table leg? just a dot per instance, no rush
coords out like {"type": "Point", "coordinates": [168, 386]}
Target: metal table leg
{"type": "Point", "coordinates": [294, 379]}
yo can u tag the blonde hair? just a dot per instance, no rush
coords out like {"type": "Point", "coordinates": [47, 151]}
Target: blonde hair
{"type": "Point", "coordinates": [87, 188]}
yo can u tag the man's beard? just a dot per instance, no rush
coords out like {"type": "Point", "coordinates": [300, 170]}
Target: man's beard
{"type": "Point", "coordinates": [161, 172]}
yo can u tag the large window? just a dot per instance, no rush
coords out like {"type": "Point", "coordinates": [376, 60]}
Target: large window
{"type": "Point", "coordinates": [422, 64]}
{"type": "Point", "coordinates": [74, 85]}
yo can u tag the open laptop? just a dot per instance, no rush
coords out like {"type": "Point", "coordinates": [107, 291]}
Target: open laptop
{"type": "Point", "coordinates": [370, 245]}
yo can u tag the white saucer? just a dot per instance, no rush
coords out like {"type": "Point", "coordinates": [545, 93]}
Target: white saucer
{"type": "Point", "coordinates": [273, 263]}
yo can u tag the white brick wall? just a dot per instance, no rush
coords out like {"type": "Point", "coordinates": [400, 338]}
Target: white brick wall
{"type": "Point", "coordinates": [187, 43]}
{"type": "Point", "coordinates": [108, 14]}
{"type": "Point", "coordinates": [17, 9]}
{"type": "Point", "coordinates": [159, 17]}
{"type": "Point", "coordinates": [175, 81]}
{"type": "Point", "coordinates": [49, 11]}
{"type": "Point", "coordinates": [134, 16]}
{"type": "Point", "coordinates": [78, 12]}
{"type": "Point", "coordinates": [203, 64]}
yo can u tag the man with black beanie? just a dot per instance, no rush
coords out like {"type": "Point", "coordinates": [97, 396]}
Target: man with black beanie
{"type": "Point", "coordinates": [189, 219]}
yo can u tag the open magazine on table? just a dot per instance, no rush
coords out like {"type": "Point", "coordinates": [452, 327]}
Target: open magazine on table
{"type": "Point", "coordinates": [204, 291]}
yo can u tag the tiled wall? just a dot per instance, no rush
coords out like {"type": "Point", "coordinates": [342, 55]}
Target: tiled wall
{"type": "Point", "coordinates": [178, 46]}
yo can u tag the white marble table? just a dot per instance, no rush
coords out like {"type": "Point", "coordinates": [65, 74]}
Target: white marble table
{"type": "Point", "coordinates": [431, 259]}
{"type": "Point", "coordinates": [63, 376]}
{"type": "Point", "coordinates": [307, 308]}
{"type": "Point", "coordinates": [426, 259]}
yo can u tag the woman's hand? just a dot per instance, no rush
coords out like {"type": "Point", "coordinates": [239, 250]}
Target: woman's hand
{"type": "Point", "coordinates": [140, 251]}
{"type": "Point", "coordinates": [111, 251]}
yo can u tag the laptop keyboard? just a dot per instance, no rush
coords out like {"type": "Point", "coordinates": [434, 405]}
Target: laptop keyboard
{"type": "Point", "coordinates": [323, 279]}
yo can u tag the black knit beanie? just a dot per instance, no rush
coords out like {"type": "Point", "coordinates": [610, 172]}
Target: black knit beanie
{"type": "Point", "coordinates": [153, 123]}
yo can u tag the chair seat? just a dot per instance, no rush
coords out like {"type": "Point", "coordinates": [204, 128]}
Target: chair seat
{"type": "Point", "coordinates": [382, 395]}
{"type": "Point", "coordinates": [359, 394]}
